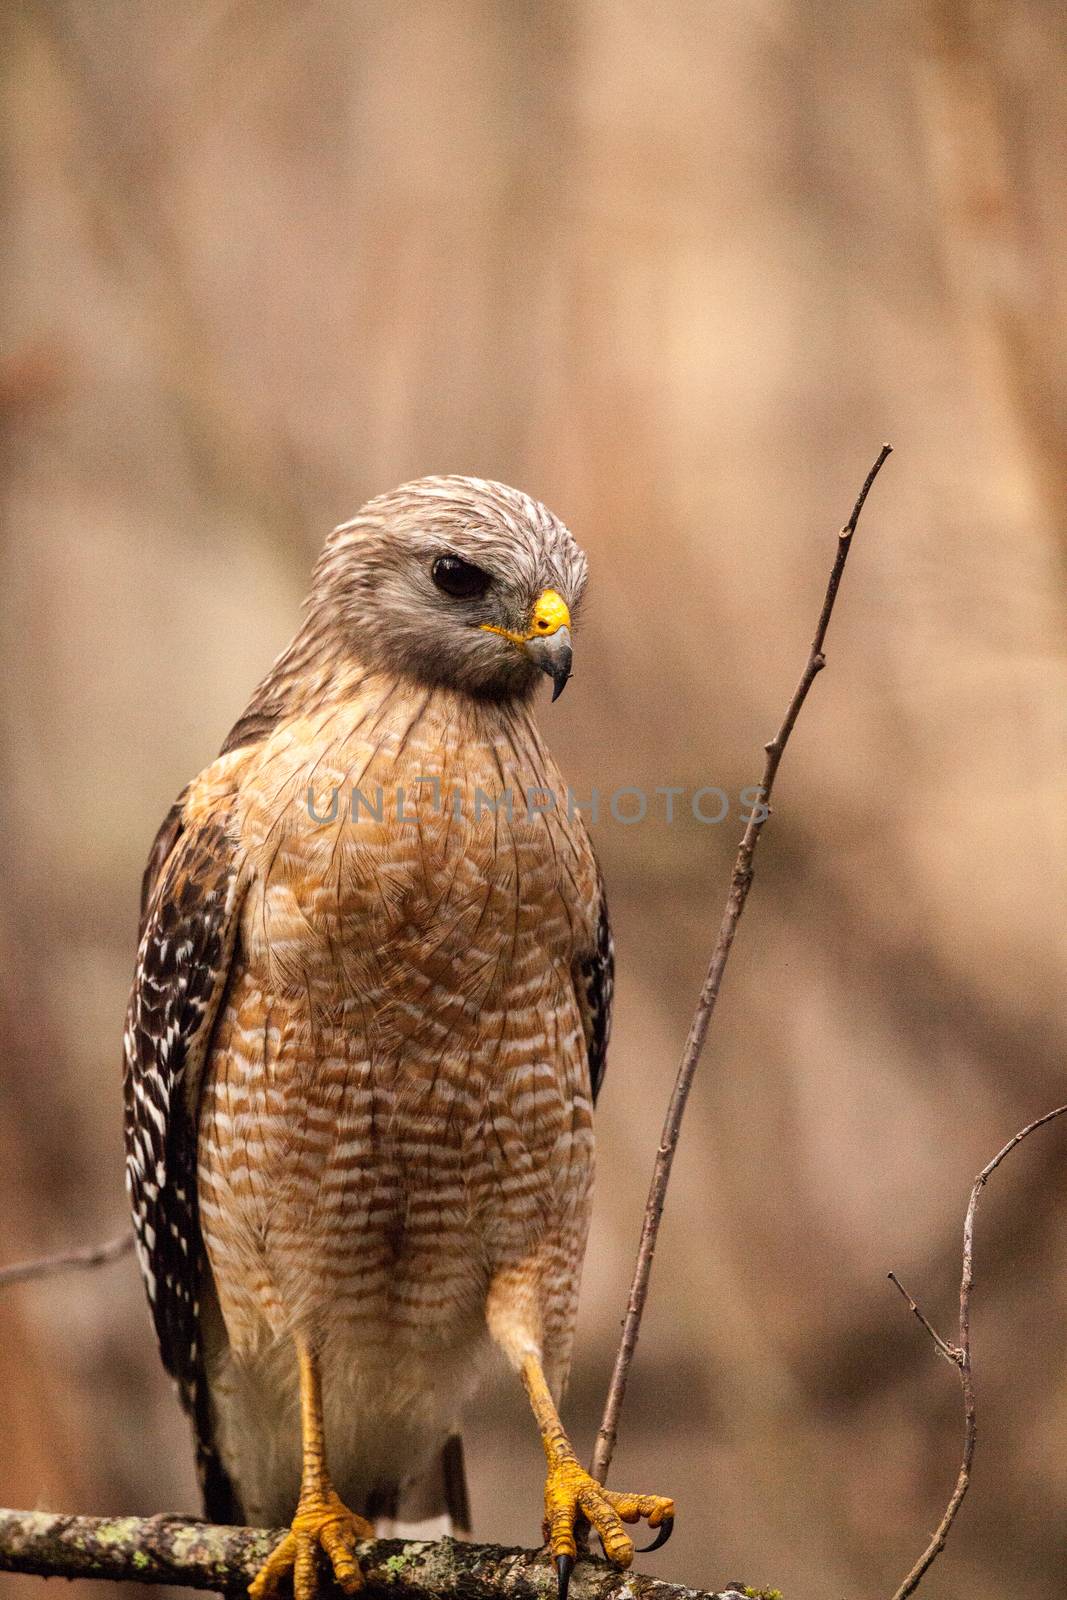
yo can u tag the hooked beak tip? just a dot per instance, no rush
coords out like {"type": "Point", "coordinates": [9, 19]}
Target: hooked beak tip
{"type": "Point", "coordinates": [553, 653]}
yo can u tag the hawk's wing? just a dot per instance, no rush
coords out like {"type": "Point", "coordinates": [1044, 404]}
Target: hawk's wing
{"type": "Point", "coordinates": [190, 904]}
{"type": "Point", "coordinates": [594, 981]}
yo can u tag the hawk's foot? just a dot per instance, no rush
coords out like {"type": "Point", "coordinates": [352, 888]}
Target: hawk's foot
{"type": "Point", "coordinates": [571, 1493]}
{"type": "Point", "coordinates": [322, 1522]}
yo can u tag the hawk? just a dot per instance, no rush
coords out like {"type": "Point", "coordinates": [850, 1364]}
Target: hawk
{"type": "Point", "coordinates": [367, 1028]}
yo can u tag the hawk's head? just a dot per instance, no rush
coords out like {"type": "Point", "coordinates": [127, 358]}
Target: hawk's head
{"type": "Point", "coordinates": [455, 581]}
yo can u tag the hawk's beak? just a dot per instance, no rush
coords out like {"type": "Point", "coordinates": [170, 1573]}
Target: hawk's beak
{"type": "Point", "coordinates": [548, 639]}
{"type": "Point", "coordinates": [553, 654]}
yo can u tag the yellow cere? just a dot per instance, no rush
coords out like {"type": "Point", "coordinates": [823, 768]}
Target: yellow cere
{"type": "Point", "coordinates": [548, 616]}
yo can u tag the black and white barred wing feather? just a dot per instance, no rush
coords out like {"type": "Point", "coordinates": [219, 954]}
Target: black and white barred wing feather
{"type": "Point", "coordinates": [190, 919]}
{"type": "Point", "coordinates": [594, 981]}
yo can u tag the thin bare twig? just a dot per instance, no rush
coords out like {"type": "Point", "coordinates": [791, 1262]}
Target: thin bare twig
{"type": "Point", "coordinates": [740, 884]}
{"type": "Point", "coordinates": [951, 1352]}
{"type": "Point", "coordinates": [960, 1356]}
{"type": "Point", "coordinates": [97, 1255]}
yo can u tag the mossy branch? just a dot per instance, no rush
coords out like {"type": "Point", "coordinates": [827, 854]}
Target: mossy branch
{"type": "Point", "coordinates": [199, 1555]}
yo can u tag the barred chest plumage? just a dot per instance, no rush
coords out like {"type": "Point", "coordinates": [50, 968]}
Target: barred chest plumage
{"type": "Point", "coordinates": [396, 1102]}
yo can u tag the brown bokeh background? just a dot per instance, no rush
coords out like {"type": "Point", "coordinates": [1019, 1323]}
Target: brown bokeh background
{"type": "Point", "coordinates": [676, 268]}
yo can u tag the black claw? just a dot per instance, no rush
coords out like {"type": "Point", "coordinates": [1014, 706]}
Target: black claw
{"type": "Point", "coordinates": [666, 1528]}
{"type": "Point", "coordinates": [564, 1568]}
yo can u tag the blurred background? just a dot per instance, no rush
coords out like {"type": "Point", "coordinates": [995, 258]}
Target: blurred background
{"type": "Point", "coordinates": [676, 268]}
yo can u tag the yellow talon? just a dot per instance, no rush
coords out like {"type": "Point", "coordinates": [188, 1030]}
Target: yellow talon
{"type": "Point", "coordinates": [322, 1522]}
{"type": "Point", "coordinates": [570, 1491]}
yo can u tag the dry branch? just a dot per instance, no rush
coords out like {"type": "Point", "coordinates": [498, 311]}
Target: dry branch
{"type": "Point", "coordinates": [199, 1555]}
{"type": "Point", "coordinates": [960, 1357]}
{"type": "Point", "coordinates": [740, 883]}
{"type": "Point", "coordinates": [97, 1255]}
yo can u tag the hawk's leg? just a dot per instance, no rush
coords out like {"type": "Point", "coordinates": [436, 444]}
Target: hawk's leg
{"type": "Point", "coordinates": [571, 1493]}
{"type": "Point", "coordinates": [322, 1520]}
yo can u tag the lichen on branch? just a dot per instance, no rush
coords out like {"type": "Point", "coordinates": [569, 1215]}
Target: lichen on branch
{"type": "Point", "coordinates": [200, 1555]}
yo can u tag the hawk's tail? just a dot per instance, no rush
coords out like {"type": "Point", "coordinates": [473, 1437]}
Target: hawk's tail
{"type": "Point", "coordinates": [221, 1501]}
{"type": "Point", "coordinates": [434, 1504]}
{"type": "Point", "coordinates": [457, 1497]}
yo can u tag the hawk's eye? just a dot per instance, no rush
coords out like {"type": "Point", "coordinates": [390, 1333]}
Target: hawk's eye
{"type": "Point", "coordinates": [461, 579]}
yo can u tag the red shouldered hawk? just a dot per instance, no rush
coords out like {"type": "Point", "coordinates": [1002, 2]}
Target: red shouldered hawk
{"type": "Point", "coordinates": [367, 1028]}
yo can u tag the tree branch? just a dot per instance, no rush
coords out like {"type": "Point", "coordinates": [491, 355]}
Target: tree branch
{"type": "Point", "coordinates": [951, 1352]}
{"type": "Point", "coordinates": [199, 1555]}
{"type": "Point", "coordinates": [97, 1255]}
{"type": "Point", "coordinates": [960, 1356]}
{"type": "Point", "coordinates": [740, 884]}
